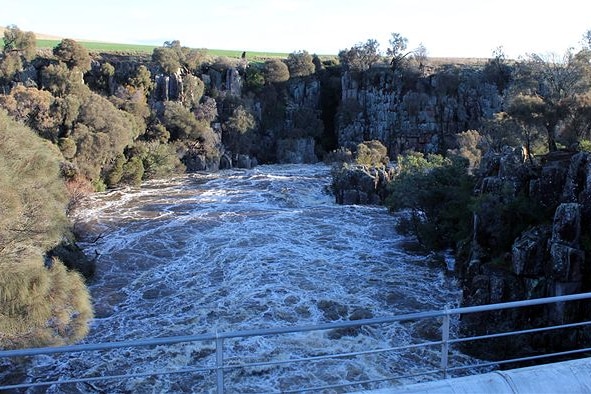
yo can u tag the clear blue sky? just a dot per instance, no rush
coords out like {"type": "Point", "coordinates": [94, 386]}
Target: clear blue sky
{"type": "Point", "coordinates": [455, 28]}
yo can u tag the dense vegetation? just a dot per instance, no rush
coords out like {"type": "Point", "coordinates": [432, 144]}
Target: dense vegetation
{"type": "Point", "coordinates": [41, 302]}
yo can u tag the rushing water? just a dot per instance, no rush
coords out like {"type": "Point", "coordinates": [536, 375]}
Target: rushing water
{"type": "Point", "coordinates": [247, 249]}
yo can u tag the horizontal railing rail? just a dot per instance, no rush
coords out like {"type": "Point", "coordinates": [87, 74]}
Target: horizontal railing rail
{"type": "Point", "coordinates": [221, 365]}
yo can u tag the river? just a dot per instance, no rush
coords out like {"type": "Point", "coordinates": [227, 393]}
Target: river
{"type": "Point", "coordinates": [246, 249]}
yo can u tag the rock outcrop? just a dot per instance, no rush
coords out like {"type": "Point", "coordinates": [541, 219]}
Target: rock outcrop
{"type": "Point", "coordinates": [548, 259]}
{"type": "Point", "coordinates": [360, 185]}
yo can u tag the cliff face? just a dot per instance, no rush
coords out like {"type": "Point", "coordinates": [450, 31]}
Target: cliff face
{"type": "Point", "coordinates": [548, 259]}
{"type": "Point", "coordinates": [413, 111]}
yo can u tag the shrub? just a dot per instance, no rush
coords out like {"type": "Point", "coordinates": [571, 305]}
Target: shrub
{"type": "Point", "coordinates": [67, 147]}
{"type": "Point", "coordinates": [300, 64]}
{"type": "Point", "coordinates": [73, 54]}
{"type": "Point", "coordinates": [276, 71]}
{"type": "Point", "coordinates": [371, 153]}
{"type": "Point", "coordinates": [159, 160]}
{"type": "Point", "coordinates": [438, 194]}
{"type": "Point", "coordinates": [42, 306]}
{"type": "Point", "coordinates": [254, 79]}
{"type": "Point", "coordinates": [193, 89]}
{"type": "Point", "coordinates": [361, 56]}
{"type": "Point", "coordinates": [39, 305]}
{"type": "Point", "coordinates": [133, 171]}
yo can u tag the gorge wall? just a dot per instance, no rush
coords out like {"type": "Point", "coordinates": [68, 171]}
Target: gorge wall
{"type": "Point", "coordinates": [417, 110]}
{"type": "Point", "coordinates": [547, 259]}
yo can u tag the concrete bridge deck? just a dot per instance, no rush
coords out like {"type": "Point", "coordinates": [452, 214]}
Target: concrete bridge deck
{"type": "Point", "coordinates": [572, 377]}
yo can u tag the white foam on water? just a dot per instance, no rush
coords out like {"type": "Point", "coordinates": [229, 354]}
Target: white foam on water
{"type": "Point", "coordinates": [246, 249]}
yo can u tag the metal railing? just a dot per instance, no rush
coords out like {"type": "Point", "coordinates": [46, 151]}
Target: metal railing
{"type": "Point", "coordinates": [221, 365]}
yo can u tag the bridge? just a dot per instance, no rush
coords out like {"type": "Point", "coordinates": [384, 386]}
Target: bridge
{"type": "Point", "coordinates": [576, 373]}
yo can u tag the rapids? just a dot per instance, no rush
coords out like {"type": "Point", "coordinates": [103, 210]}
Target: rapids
{"type": "Point", "coordinates": [246, 249]}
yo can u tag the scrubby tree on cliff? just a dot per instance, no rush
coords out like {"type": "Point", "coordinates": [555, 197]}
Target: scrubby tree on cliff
{"type": "Point", "coordinates": [172, 56]}
{"type": "Point", "coordinates": [528, 112]}
{"type": "Point", "coordinates": [372, 153]}
{"type": "Point", "coordinates": [235, 130]}
{"type": "Point", "coordinates": [142, 78]}
{"type": "Point", "coordinates": [73, 54]}
{"type": "Point", "coordinates": [557, 82]}
{"type": "Point", "coordinates": [498, 71]}
{"type": "Point", "coordinates": [300, 64]}
{"type": "Point", "coordinates": [397, 50]}
{"type": "Point", "coordinates": [16, 40]}
{"type": "Point", "coordinates": [276, 71]}
{"type": "Point", "coordinates": [361, 56]}
{"type": "Point", "coordinates": [41, 303]}
{"type": "Point", "coordinates": [19, 47]}
{"type": "Point", "coordinates": [587, 39]}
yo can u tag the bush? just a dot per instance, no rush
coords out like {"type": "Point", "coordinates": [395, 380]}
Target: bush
{"type": "Point", "coordinates": [73, 54]}
{"type": "Point", "coordinates": [42, 306]}
{"type": "Point", "coordinates": [32, 213]}
{"type": "Point", "coordinates": [276, 71]}
{"type": "Point", "coordinates": [437, 192]}
{"type": "Point", "coordinates": [300, 64]}
{"type": "Point", "coordinates": [254, 79]}
{"type": "Point", "coordinates": [372, 153]}
{"type": "Point", "coordinates": [159, 160]}
{"type": "Point", "coordinates": [39, 305]}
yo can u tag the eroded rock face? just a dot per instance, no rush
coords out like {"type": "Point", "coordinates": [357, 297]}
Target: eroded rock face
{"type": "Point", "coordinates": [383, 105]}
{"type": "Point", "coordinates": [546, 260]}
{"type": "Point", "coordinates": [296, 151]}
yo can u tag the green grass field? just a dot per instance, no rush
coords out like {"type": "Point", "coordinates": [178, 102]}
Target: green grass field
{"type": "Point", "coordinates": [147, 49]}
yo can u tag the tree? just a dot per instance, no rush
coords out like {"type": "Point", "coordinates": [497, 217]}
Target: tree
{"type": "Point", "coordinates": [193, 89]}
{"type": "Point", "coordinates": [361, 56]}
{"type": "Point", "coordinates": [437, 193]}
{"type": "Point", "coordinates": [397, 50]}
{"type": "Point", "coordinates": [372, 153]}
{"type": "Point", "coordinates": [171, 57]}
{"type": "Point", "coordinates": [23, 43]}
{"type": "Point", "coordinates": [60, 80]}
{"type": "Point", "coordinates": [276, 71]}
{"type": "Point", "coordinates": [587, 39]}
{"type": "Point", "coordinates": [167, 58]}
{"type": "Point", "coordinates": [300, 64]}
{"type": "Point", "coordinates": [19, 47]}
{"type": "Point", "coordinates": [254, 79]}
{"type": "Point", "coordinates": [35, 108]}
{"type": "Point", "coordinates": [206, 111]}
{"type": "Point", "coordinates": [528, 111]}
{"type": "Point", "coordinates": [421, 54]}
{"type": "Point", "coordinates": [240, 122]}
{"type": "Point", "coordinates": [556, 82]}
{"type": "Point", "coordinates": [41, 303]}
{"type": "Point", "coordinates": [182, 124]}
{"type": "Point", "coordinates": [10, 64]}
{"type": "Point", "coordinates": [498, 71]}
{"type": "Point", "coordinates": [73, 54]}
{"type": "Point", "coordinates": [142, 79]}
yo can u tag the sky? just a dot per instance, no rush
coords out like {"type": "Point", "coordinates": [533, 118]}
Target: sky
{"type": "Point", "coordinates": [449, 28]}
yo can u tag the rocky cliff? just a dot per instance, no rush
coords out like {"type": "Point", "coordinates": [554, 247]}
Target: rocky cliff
{"type": "Point", "coordinates": [550, 258]}
{"type": "Point", "coordinates": [413, 110]}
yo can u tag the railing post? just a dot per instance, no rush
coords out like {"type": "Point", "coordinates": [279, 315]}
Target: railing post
{"type": "Point", "coordinates": [445, 343]}
{"type": "Point", "coordinates": [219, 363]}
